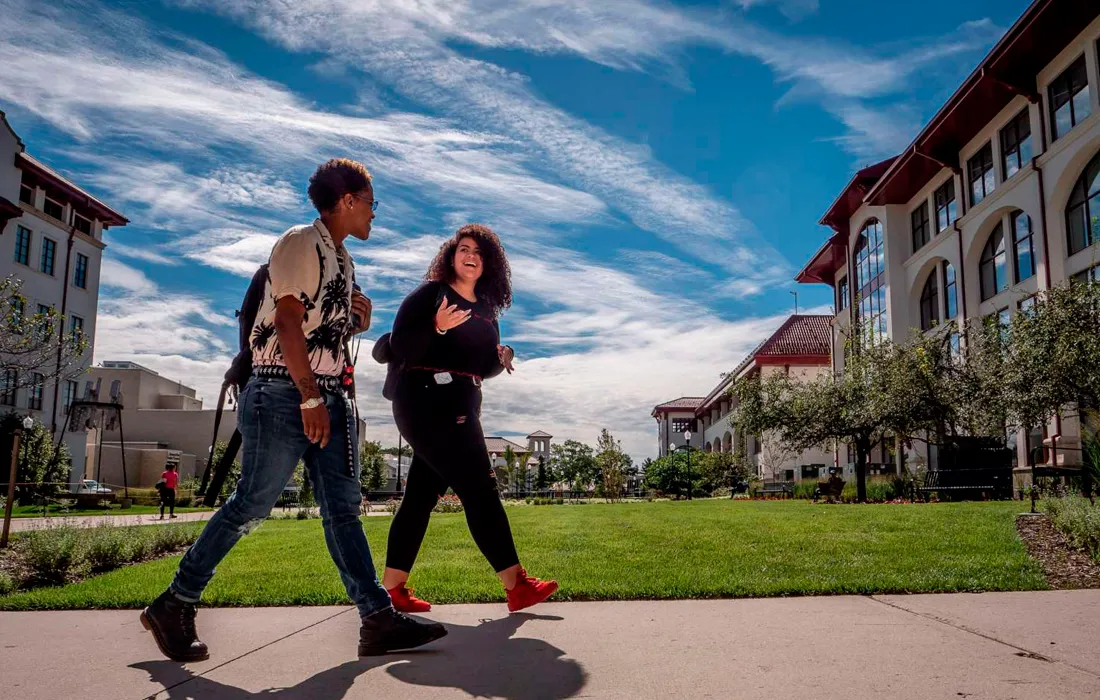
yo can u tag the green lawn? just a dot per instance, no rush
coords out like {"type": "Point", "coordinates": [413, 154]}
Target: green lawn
{"type": "Point", "coordinates": [699, 549]}
{"type": "Point", "coordinates": [57, 512]}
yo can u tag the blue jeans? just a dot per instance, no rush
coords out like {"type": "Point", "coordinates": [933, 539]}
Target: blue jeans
{"type": "Point", "coordinates": [273, 440]}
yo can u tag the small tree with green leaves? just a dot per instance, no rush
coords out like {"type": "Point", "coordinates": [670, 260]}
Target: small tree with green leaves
{"type": "Point", "coordinates": [542, 476]}
{"type": "Point", "coordinates": [38, 472]}
{"type": "Point", "coordinates": [372, 466]}
{"type": "Point", "coordinates": [35, 350]}
{"type": "Point", "coordinates": [611, 462]}
{"type": "Point", "coordinates": [574, 463]}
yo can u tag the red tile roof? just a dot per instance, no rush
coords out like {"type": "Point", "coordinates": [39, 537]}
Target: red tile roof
{"type": "Point", "coordinates": [685, 403]}
{"type": "Point", "coordinates": [804, 336]}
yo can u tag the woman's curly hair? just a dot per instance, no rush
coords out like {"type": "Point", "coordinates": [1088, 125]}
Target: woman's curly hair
{"type": "Point", "coordinates": [495, 286]}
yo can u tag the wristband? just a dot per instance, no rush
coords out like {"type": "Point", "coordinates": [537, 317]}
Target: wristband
{"type": "Point", "coordinates": [312, 403]}
{"type": "Point", "coordinates": [440, 331]}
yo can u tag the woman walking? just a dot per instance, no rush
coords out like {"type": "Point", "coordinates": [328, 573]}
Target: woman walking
{"type": "Point", "coordinates": [445, 342]}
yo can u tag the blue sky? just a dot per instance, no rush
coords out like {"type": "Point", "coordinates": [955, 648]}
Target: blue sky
{"type": "Point", "coordinates": [656, 170]}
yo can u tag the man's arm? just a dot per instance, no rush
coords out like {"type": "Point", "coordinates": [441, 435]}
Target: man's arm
{"type": "Point", "coordinates": [289, 313]}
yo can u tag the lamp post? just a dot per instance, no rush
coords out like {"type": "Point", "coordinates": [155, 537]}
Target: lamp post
{"type": "Point", "coordinates": [28, 423]}
{"type": "Point", "coordinates": [673, 449]}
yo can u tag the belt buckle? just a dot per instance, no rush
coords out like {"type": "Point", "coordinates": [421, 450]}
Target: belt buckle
{"type": "Point", "coordinates": [476, 380]}
{"type": "Point", "coordinates": [443, 378]}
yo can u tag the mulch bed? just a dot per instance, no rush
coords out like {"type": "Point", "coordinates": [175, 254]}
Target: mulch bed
{"type": "Point", "coordinates": [1064, 566]}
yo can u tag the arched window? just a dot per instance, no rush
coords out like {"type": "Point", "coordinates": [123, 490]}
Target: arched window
{"type": "Point", "coordinates": [991, 270]}
{"type": "Point", "coordinates": [1083, 210]}
{"type": "Point", "coordinates": [1023, 248]}
{"type": "Point", "coordinates": [870, 282]}
{"type": "Point", "coordinates": [950, 290]}
{"type": "Point", "coordinates": [930, 304]}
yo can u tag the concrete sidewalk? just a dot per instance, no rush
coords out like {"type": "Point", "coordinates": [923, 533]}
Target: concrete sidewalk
{"type": "Point", "coordinates": [985, 646]}
{"type": "Point", "coordinates": [21, 524]}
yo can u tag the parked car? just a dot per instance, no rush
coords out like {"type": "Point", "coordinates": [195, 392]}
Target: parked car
{"type": "Point", "coordinates": [91, 486]}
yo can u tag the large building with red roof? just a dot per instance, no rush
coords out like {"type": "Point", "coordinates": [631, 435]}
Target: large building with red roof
{"type": "Point", "coordinates": [995, 200]}
{"type": "Point", "coordinates": [800, 348]}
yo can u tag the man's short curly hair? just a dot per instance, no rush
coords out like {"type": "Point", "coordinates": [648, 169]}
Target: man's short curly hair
{"type": "Point", "coordinates": [334, 179]}
{"type": "Point", "coordinates": [495, 286]}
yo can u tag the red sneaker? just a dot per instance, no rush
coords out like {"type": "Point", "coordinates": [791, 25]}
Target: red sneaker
{"type": "Point", "coordinates": [405, 602]}
{"type": "Point", "coordinates": [529, 591]}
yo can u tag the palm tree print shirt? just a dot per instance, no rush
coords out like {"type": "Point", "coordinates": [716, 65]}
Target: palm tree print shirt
{"type": "Point", "coordinates": [306, 264]}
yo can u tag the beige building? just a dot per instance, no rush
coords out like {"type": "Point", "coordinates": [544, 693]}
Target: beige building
{"type": "Point", "coordinates": [51, 238]}
{"type": "Point", "coordinates": [996, 199]}
{"type": "Point", "coordinates": [800, 348]}
{"type": "Point", "coordinates": [162, 421]}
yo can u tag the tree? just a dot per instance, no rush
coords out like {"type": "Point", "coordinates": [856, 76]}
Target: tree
{"type": "Point", "coordinates": [37, 466]}
{"type": "Point", "coordinates": [372, 466]}
{"type": "Point", "coordinates": [611, 462]}
{"type": "Point", "coordinates": [509, 468]}
{"type": "Point", "coordinates": [720, 470]}
{"type": "Point", "coordinates": [305, 487]}
{"type": "Point", "coordinates": [573, 463]}
{"type": "Point", "coordinates": [774, 455]}
{"type": "Point", "coordinates": [405, 451]}
{"type": "Point", "coordinates": [542, 476]}
{"type": "Point", "coordinates": [664, 475]}
{"type": "Point", "coordinates": [1052, 361]}
{"type": "Point", "coordinates": [233, 475]}
{"type": "Point", "coordinates": [35, 344]}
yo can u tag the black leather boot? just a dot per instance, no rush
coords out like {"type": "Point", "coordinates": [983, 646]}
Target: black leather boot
{"type": "Point", "coordinates": [389, 630]}
{"type": "Point", "coordinates": [172, 623]}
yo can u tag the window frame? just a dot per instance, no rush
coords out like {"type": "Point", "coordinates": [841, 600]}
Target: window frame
{"type": "Point", "coordinates": [949, 207]}
{"type": "Point", "coordinates": [998, 260]}
{"type": "Point", "coordinates": [76, 324]}
{"type": "Point", "coordinates": [1017, 242]}
{"type": "Point", "coordinates": [950, 290]}
{"type": "Point", "coordinates": [30, 191]}
{"type": "Point", "coordinates": [9, 387]}
{"type": "Point", "coordinates": [36, 391]}
{"type": "Point", "coordinates": [77, 215]}
{"type": "Point", "coordinates": [986, 176]}
{"type": "Point", "coordinates": [1021, 142]}
{"type": "Point", "coordinates": [1088, 205]}
{"type": "Point", "coordinates": [69, 394]}
{"type": "Point", "coordinates": [24, 238]}
{"type": "Point", "coordinates": [1066, 76]}
{"type": "Point", "coordinates": [843, 291]}
{"type": "Point", "coordinates": [80, 272]}
{"type": "Point", "coordinates": [46, 208]}
{"type": "Point", "coordinates": [871, 281]}
{"type": "Point", "coordinates": [920, 223]}
{"type": "Point", "coordinates": [49, 246]}
{"type": "Point", "coordinates": [930, 303]}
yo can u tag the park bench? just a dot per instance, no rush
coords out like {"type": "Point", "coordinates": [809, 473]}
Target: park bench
{"type": "Point", "coordinates": [776, 488]}
{"type": "Point", "coordinates": [996, 483]}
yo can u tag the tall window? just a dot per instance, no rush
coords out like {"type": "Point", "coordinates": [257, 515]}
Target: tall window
{"type": "Point", "coordinates": [945, 205]}
{"type": "Point", "coordinates": [49, 255]}
{"type": "Point", "coordinates": [1083, 210]}
{"type": "Point", "coordinates": [950, 290]}
{"type": "Point", "coordinates": [842, 294]}
{"type": "Point", "coordinates": [34, 396]}
{"type": "Point", "coordinates": [18, 308]}
{"type": "Point", "coordinates": [870, 282]}
{"type": "Point", "coordinates": [69, 394]}
{"type": "Point", "coordinates": [1026, 306]}
{"type": "Point", "coordinates": [1090, 275]}
{"type": "Point", "coordinates": [991, 269]}
{"type": "Point", "coordinates": [26, 194]}
{"type": "Point", "coordinates": [1069, 99]}
{"type": "Point", "coordinates": [920, 226]}
{"type": "Point", "coordinates": [76, 326]}
{"type": "Point", "coordinates": [44, 321]}
{"type": "Point", "coordinates": [7, 387]}
{"type": "Point", "coordinates": [53, 208]}
{"type": "Point", "coordinates": [1004, 322]}
{"type": "Point", "coordinates": [80, 275]}
{"type": "Point", "coordinates": [23, 245]}
{"type": "Point", "coordinates": [930, 304]}
{"type": "Point", "coordinates": [1016, 150]}
{"type": "Point", "coordinates": [980, 169]}
{"type": "Point", "coordinates": [1023, 247]}
{"type": "Point", "coordinates": [682, 425]}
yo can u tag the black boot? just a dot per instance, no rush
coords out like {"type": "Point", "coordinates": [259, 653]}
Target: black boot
{"type": "Point", "coordinates": [172, 623]}
{"type": "Point", "coordinates": [389, 630]}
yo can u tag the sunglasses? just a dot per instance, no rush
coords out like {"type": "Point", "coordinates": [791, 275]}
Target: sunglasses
{"type": "Point", "coordinates": [373, 202]}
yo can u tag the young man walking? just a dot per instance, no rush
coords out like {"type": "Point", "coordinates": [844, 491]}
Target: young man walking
{"type": "Point", "coordinates": [169, 480]}
{"type": "Point", "coordinates": [293, 408]}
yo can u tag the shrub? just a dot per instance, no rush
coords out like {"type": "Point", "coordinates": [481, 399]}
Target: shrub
{"type": "Point", "coordinates": [804, 489]}
{"type": "Point", "coordinates": [560, 501]}
{"type": "Point", "coordinates": [449, 503]}
{"type": "Point", "coordinates": [392, 505]}
{"type": "Point", "coordinates": [8, 583]}
{"type": "Point", "coordinates": [50, 554]}
{"type": "Point", "coordinates": [109, 547]}
{"type": "Point", "coordinates": [1078, 520]}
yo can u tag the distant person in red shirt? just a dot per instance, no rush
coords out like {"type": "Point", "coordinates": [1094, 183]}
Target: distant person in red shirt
{"type": "Point", "coordinates": [169, 480]}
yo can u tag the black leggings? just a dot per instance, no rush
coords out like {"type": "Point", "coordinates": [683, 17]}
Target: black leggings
{"type": "Point", "coordinates": [442, 424]}
{"type": "Point", "coordinates": [167, 498]}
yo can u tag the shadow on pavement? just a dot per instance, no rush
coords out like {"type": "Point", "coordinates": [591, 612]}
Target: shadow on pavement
{"type": "Point", "coordinates": [483, 660]}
